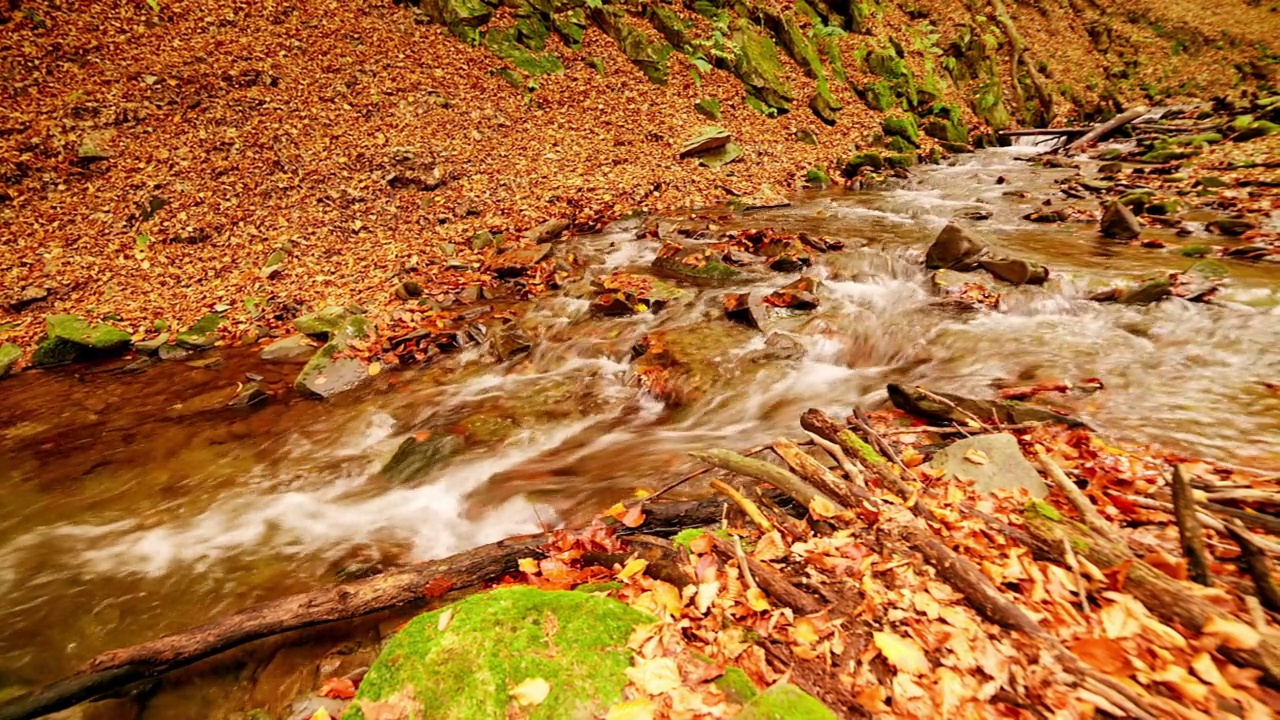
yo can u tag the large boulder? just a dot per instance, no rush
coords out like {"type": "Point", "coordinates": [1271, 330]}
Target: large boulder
{"type": "Point", "coordinates": [421, 453]}
{"type": "Point", "coordinates": [990, 462]}
{"type": "Point", "coordinates": [1119, 223]}
{"type": "Point", "coordinates": [759, 68]}
{"type": "Point", "coordinates": [465, 659]}
{"type": "Point", "coordinates": [334, 368]}
{"type": "Point", "coordinates": [955, 248]}
{"type": "Point", "coordinates": [293, 349]}
{"type": "Point", "coordinates": [1016, 270]}
{"type": "Point", "coordinates": [70, 338]}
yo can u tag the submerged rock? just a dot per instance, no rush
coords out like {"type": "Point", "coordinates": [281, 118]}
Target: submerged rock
{"type": "Point", "coordinates": [9, 354]}
{"type": "Point", "coordinates": [949, 408]}
{"type": "Point", "coordinates": [1232, 227]}
{"type": "Point", "coordinates": [630, 293]}
{"type": "Point", "coordinates": [990, 462]}
{"type": "Point", "coordinates": [955, 248]}
{"type": "Point", "coordinates": [463, 660]}
{"type": "Point", "coordinates": [517, 261]}
{"type": "Point", "coordinates": [798, 295]}
{"type": "Point", "coordinates": [420, 454]}
{"type": "Point", "coordinates": [696, 265]}
{"type": "Point", "coordinates": [292, 349]}
{"type": "Point", "coordinates": [1016, 271]}
{"type": "Point", "coordinates": [1144, 293]}
{"type": "Point", "coordinates": [70, 338]}
{"type": "Point", "coordinates": [1118, 223]}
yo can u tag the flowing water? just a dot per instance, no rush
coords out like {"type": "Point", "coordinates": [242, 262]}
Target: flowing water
{"type": "Point", "coordinates": [136, 504]}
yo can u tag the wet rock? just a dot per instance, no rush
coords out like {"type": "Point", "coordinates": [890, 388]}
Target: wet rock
{"type": "Point", "coordinates": [510, 341]}
{"type": "Point", "coordinates": [799, 295]}
{"type": "Point", "coordinates": [963, 292]}
{"type": "Point", "coordinates": [306, 708]}
{"type": "Point", "coordinates": [682, 365]}
{"type": "Point", "coordinates": [779, 347]}
{"type": "Point", "coordinates": [955, 248]}
{"type": "Point", "coordinates": [27, 297]}
{"type": "Point", "coordinates": [1143, 293]}
{"type": "Point", "coordinates": [419, 454]}
{"type": "Point", "coordinates": [546, 232]}
{"type": "Point", "coordinates": [517, 261]}
{"type": "Point", "coordinates": [70, 338]}
{"type": "Point", "coordinates": [990, 462]}
{"type": "Point", "coordinates": [1016, 271]}
{"type": "Point", "coordinates": [695, 265]}
{"type": "Point", "coordinates": [1097, 186]}
{"type": "Point", "coordinates": [249, 394]}
{"type": "Point", "coordinates": [1232, 227]}
{"type": "Point", "coordinates": [948, 408]}
{"type": "Point", "coordinates": [173, 353]}
{"type": "Point", "coordinates": [152, 346]}
{"type": "Point", "coordinates": [975, 215]}
{"type": "Point", "coordinates": [746, 309]}
{"type": "Point", "coordinates": [1118, 223]}
{"type": "Point", "coordinates": [629, 293]}
{"type": "Point", "coordinates": [292, 349]}
{"type": "Point", "coordinates": [789, 263]}
{"type": "Point", "coordinates": [324, 323]}
{"type": "Point", "coordinates": [704, 141]}
{"type": "Point", "coordinates": [1048, 216]}
{"type": "Point", "coordinates": [9, 354]}
{"type": "Point", "coordinates": [409, 289]}
{"type": "Point", "coordinates": [1058, 162]}
{"type": "Point", "coordinates": [202, 335]}
{"type": "Point", "coordinates": [869, 159]}
{"type": "Point", "coordinates": [1212, 181]}
{"type": "Point", "coordinates": [1110, 169]}
{"type": "Point", "coordinates": [332, 370]}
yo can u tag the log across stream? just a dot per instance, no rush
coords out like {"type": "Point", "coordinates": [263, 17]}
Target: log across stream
{"type": "Point", "coordinates": [138, 505]}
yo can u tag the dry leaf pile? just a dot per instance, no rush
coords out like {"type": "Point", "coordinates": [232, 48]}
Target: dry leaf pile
{"type": "Point", "coordinates": [943, 603]}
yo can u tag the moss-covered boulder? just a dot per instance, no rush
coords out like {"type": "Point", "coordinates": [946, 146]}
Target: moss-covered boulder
{"type": "Point", "coordinates": [759, 68]}
{"type": "Point", "coordinates": [9, 354]}
{"type": "Point", "coordinates": [202, 335]}
{"type": "Point", "coordinates": [462, 17]}
{"type": "Point", "coordinates": [708, 108]}
{"type": "Point", "coordinates": [651, 57]}
{"type": "Point", "coordinates": [878, 95]}
{"type": "Point", "coordinates": [946, 130]}
{"type": "Point", "coordinates": [868, 159]}
{"type": "Point", "coordinates": [324, 323]}
{"type": "Point", "coordinates": [785, 702]}
{"type": "Point", "coordinates": [335, 368]}
{"type": "Point", "coordinates": [70, 338]}
{"type": "Point", "coordinates": [509, 44]}
{"type": "Point", "coordinates": [904, 127]}
{"type": "Point", "coordinates": [698, 266]}
{"type": "Point", "coordinates": [465, 660]}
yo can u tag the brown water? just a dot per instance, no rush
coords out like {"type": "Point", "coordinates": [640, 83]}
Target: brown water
{"type": "Point", "coordinates": [135, 503]}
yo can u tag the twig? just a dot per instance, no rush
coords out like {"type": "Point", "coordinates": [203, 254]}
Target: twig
{"type": "Point", "coordinates": [978, 424]}
{"type": "Point", "coordinates": [781, 478]}
{"type": "Point", "coordinates": [1256, 562]}
{"type": "Point", "coordinates": [955, 430]}
{"type": "Point", "coordinates": [1256, 614]}
{"type": "Point", "coordinates": [742, 563]}
{"type": "Point", "coordinates": [852, 471]}
{"type": "Point", "coordinates": [695, 474]}
{"type": "Point", "coordinates": [751, 509]}
{"type": "Point", "coordinates": [822, 425]}
{"type": "Point", "coordinates": [1074, 563]}
{"type": "Point", "coordinates": [863, 423]}
{"type": "Point", "coordinates": [1092, 518]}
{"type": "Point", "coordinates": [1189, 530]}
{"type": "Point", "coordinates": [1208, 520]}
{"type": "Point", "coordinates": [1263, 497]}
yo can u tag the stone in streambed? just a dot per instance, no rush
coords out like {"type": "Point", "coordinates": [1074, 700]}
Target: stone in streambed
{"type": "Point", "coordinates": [746, 309]}
{"type": "Point", "coordinates": [463, 660]}
{"type": "Point", "coordinates": [1016, 271]}
{"type": "Point", "coordinates": [292, 349]}
{"type": "Point", "coordinates": [1232, 227]}
{"type": "Point", "coordinates": [990, 462]}
{"type": "Point", "coordinates": [1143, 293]}
{"type": "Point", "coordinates": [629, 293]}
{"type": "Point", "coordinates": [330, 371]}
{"type": "Point", "coordinates": [419, 454]}
{"type": "Point", "coordinates": [9, 354]}
{"type": "Point", "coordinates": [960, 410]}
{"type": "Point", "coordinates": [324, 323]}
{"type": "Point", "coordinates": [955, 248]}
{"type": "Point", "coordinates": [695, 265]}
{"type": "Point", "coordinates": [152, 346]}
{"type": "Point", "coordinates": [69, 338]}
{"type": "Point", "coordinates": [202, 335]}
{"type": "Point", "coordinates": [798, 295]}
{"type": "Point", "coordinates": [1118, 223]}
{"type": "Point", "coordinates": [766, 197]}
{"type": "Point", "coordinates": [517, 261]}
{"type": "Point", "coordinates": [547, 231]}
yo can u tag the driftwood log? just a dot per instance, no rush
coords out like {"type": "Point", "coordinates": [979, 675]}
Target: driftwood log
{"type": "Point", "coordinates": [1105, 129]}
{"type": "Point", "coordinates": [116, 669]}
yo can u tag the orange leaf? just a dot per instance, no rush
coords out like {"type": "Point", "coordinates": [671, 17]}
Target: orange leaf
{"type": "Point", "coordinates": [338, 688]}
{"type": "Point", "coordinates": [1103, 654]}
{"type": "Point", "coordinates": [633, 517]}
{"type": "Point", "coordinates": [437, 587]}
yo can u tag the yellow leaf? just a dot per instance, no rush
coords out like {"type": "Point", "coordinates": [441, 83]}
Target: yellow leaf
{"type": "Point", "coordinates": [531, 692]}
{"type": "Point", "coordinates": [446, 617]}
{"type": "Point", "coordinates": [321, 714]}
{"type": "Point", "coordinates": [770, 547]}
{"type": "Point", "coordinates": [822, 508]}
{"type": "Point", "coordinates": [529, 565]}
{"type": "Point", "coordinates": [976, 456]}
{"type": "Point", "coordinates": [638, 709]}
{"type": "Point", "coordinates": [1232, 633]}
{"type": "Point", "coordinates": [1182, 681]}
{"type": "Point", "coordinates": [655, 676]}
{"type": "Point", "coordinates": [903, 653]}
{"type": "Point", "coordinates": [756, 600]}
{"type": "Point", "coordinates": [806, 633]}
{"type": "Point", "coordinates": [668, 596]}
{"type": "Point", "coordinates": [375, 367]}
{"type": "Point", "coordinates": [642, 493]}
{"type": "Point", "coordinates": [634, 567]}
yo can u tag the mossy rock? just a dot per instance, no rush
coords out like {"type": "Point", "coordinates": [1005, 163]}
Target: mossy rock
{"type": "Point", "coordinates": [9, 354]}
{"type": "Point", "coordinates": [1196, 251]}
{"type": "Point", "coordinates": [202, 335]}
{"type": "Point", "coordinates": [898, 145]}
{"type": "Point", "coordinates": [758, 66]}
{"type": "Point", "coordinates": [696, 266]}
{"type": "Point", "coordinates": [506, 44]}
{"type": "Point", "coordinates": [417, 456]}
{"type": "Point", "coordinates": [462, 17]}
{"type": "Point", "coordinates": [1256, 129]}
{"type": "Point", "coordinates": [824, 105]}
{"type": "Point", "coordinates": [887, 64]}
{"type": "Point", "coordinates": [901, 161]}
{"type": "Point", "coordinates": [817, 177]}
{"type": "Point", "coordinates": [672, 27]}
{"type": "Point", "coordinates": [904, 127]}
{"type": "Point", "coordinates": [1197, 140]}
{"type": "Point", "coordinates": [325, 323]}
{"type": "Point", "coordinates": [868, 159]}
{"type": "Point", "coordinates": [946, 130]}
{"type": "Point", "coordinates": [785, 702]}
{"type": "Point", "coordinates": [721, 156]}
{"type": "Point", "coordinates": [464, 665]}
{"type": "Point", "coordinates": [70, 338]}
{"type": "Point", "coordinates": [571, 26]}
{"type": "Point", "coordinates": [879, 95]}
{"type": "Point", "coordinates": [330, 371]}
{"type": "Point", "coordinates": [708, 108]}
{"type": "Point", "coordinates": [1160, 157]}
{"type": "Point", "coordinates": [1163, 208]}
{"type": "Point", "coordinates": [650, 57]}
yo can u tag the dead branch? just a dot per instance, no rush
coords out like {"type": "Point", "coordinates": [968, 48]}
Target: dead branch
{"type": "Point", "coordinates": [771, 581]}
{"type": "Point", "coordinates": [1256, 562]}
{"type": "Point", "coordinates": [1103, 130]}
{"type": "Point", "coordinates": [1019, 50]}
{"type": "Point", "coordinates": [1208, 520]}
{"type": "Point", "coordinates": [818, 476]}
{"type": "Point", "coordinates": [1091, 516]}
{"type": "Point", "coordinates": [1189, 530]}
{"type": "Point", "coordinates": [751, 509]}
{"type": "Point", "coordinates": [778, 477]}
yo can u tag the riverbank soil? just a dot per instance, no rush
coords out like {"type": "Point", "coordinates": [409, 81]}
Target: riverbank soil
{"type": "Point", "coordinates": [161, 162]}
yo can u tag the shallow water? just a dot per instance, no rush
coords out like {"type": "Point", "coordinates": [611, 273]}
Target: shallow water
{"type": "Point", "coordinates": [137, 504]}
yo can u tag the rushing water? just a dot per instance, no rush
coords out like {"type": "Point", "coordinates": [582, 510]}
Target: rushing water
{"type": "Point", "coordinates": [136, 504]}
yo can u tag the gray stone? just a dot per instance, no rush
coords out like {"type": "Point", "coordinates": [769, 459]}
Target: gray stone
{"type": "Point", "coordinates": [292, 349]}
{"type": "Point", "coordinates": [708, 138]}
{"type": "Point", "coordinates": [202, 335]}
{"type": "Point", "coordinates": [328, 372]}
{"type": "Point", "coordinates": [152, 346]}
{"type": "Point", "coordinates": [1016, 271]}
{"type": "Point", "coordinates": [1119, 223]}
{"type": "Point", "coordinates": [324, 323]}
{"type": "Point", "coordinates": [955, 248]}
{"type": "Point", "coordinates": [990, 462]}
{"type": "Point", "coordinates": [173, 352]}
{"type": "Point", "coordinates": [547, 231]}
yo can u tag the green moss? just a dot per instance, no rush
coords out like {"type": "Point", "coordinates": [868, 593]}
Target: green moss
{"type": "Point", "coordinates": [505, 43]}
{"type": "Point", "coordinates": [887, 64]}
{"type": "Point", "coordinates": [737, 686]}
{"type": "Point", "coordinates": [946, 130]}
{"type": "Point", "coordinates": [1196, 251]}
{"type": "Point", "coordinates": [1079, 545]}
{"type": "Point", "coordinates": [899, 146]}
{"type": "Point", "coordinates": [785, 702]}
{"type": "Point", "coordinates": [865, 452]}
{"type": "Point", "coordinates": [708, 108]}
{"type": "Point", "coordinates": [817, 177]}
{"type": "Point", "coordinates": [879, 95]}
{"type": "Point", "coordinates": [866, 159]}
{"type": "Point", "coordinates": [69, 338]}
{"type": "Point", "coordinates": [492, 642]}
{"type": "Point", "coordinates": [901, 161]}
{"type": "Point", "coordinates": [201, 335]}
{"type": "Point", "coordinates": [672, 27]}
{"type": "Point", "coordinates": [760, 106]}
{"type": "Point", "coordinates": [759, 68]}
{"type": "Point", "coordinates": [1044, 509]}
{"type": "Point", "coordinates": [1163, 207]}
{"type": "Point", "coordinates": [684, 537]}
{"type": "Point", "coordinates": [904, 127]}
{"type": "Point", "coordinates": [599, 587]}
{"type": "Point", "coordinates": [1170, 155]}
{"type": "Point", "coordinates": [1256, 129]}
{"type": "Point", "coordinates": [1110, 154]}
{"type": "Point", "coordinates": [1201, 139]}
{"type": "Point", "coordinates": [571, 26]}
{"type": "Point", "coordinates": [650, 57]}
{"type": "Point", "coordinates": [9, 354]}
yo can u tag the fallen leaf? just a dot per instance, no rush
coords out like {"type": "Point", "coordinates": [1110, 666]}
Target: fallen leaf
{"type": "Point", "coordinates": [633, 517]}
{"type": "Point", "coordinates": [903, 653]}
{"type": "Point", "coordinates": [321, 714]}
{"type": "Point", "coordinates": [1181, 680]}
{"type": "Point", "coordinates": [770, 547]}
{"type": "Point", "coordinates": [338, 688]}
{"type": "Point", "coordinates": [634, 567]}
{"type": "Point", "coordinates": [976, 456]}
{"type": "Point", "coordinates": [638, 709]}
{"type": "Point", "coordinates": [531, 692]}
{"type": "Point", "coordinates": [445, 618]}
{"type": "Point", "coordinates": [1104, 654]}
{"type": "Point", "coordinates": [822, 508]}
{"type": "Point", "coordinates": [529, 566]}
{"type": "Point", "coordinates": [1233, 633]}
{"type": "Point", "coordinates": [655, 676]}
{"type": "Point", "coordinates": [757, 600]}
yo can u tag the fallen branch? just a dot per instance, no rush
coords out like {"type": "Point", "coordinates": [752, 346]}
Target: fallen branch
{"type": "Point", "coordinates": [818, 476]}
{"type": "Point", "coordinates": [778, 477]}
{"type": "Point", "coordinates": [1189, 531]}
{"type": "Point", "coordinates": [115, 669]}
{"type": "Point", "coordinates": [771, 581]}
{"type": "Point", "coordinates": [751, 509]}
{"type": "Point", "coordinates": [1256, 562]}
{"type": "Point", "coordinates": [1105, 129]}
{"type": "Point", "coordinates": [1208, 520]}
{"type": "Point", "coordinates": [822, 425]}
{"type": "Point", "coordinates": [1091, 516]}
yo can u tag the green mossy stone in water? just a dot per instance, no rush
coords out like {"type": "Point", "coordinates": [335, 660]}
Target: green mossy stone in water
{"type": "Point", "coordinates": [785, 702]}
{"type": "Point", "coordinates": [1163, 208]}
{"type": "Point", "coordinates": [69, 338]}
{"type": "Point", "coordinates": [868, 159]}
{"type": "Point", "coordinates": [901, 161]}
{"type": "Point", "coordinates": [204, 334]}
{"type": "Point", "coordinates": [1196, 251]}
{"type": "Point", "coordinates": [9, 354]}
{"type": "Point", "coordinates": [736, 686]}
{"type": "Point", "coordinates": [904, 127]}
{"type": "Point", "coordinates": [492, 642]}
{"type": "Point", "coordinates": [817, 178]}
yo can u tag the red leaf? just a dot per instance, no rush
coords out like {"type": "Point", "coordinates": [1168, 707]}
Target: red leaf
{"type": "Point", "coordinates": [437, 587]}
{"type": "Point", "coordinates": [338, 688]}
